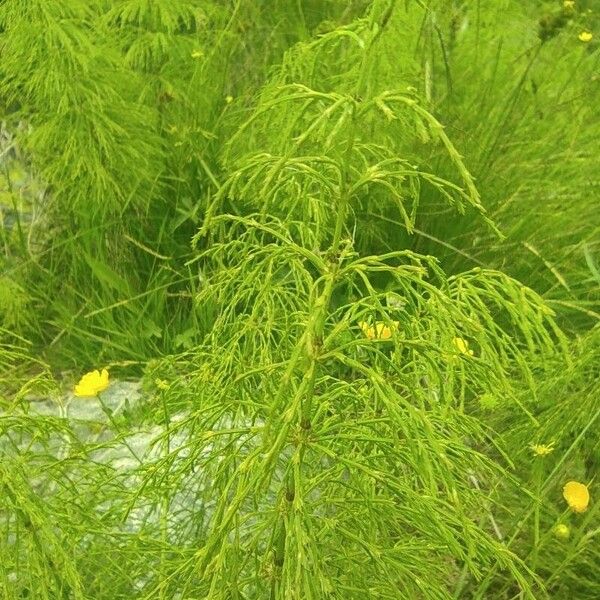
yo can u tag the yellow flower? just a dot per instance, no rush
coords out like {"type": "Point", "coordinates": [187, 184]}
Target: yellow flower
{"type": "Point", "coordinates": [462, 346]}
{"type": "Point", "coordinates": [197, 54]}
{"type": "Point", "coordinates": [379, 331]}
{"type": "Point", "coordinates": [577, 496]}
{"type": "Point", "coordinates": [562, 531]}
{"type": "Point", "coordinates": [542, 449]}
{"type": "Point", "coordinates": [228, 99]}
{"type": "Point", "coordinates": [91, 384]}
{"type": "Point", "coordinates": [585, 36]}
{"type": "Point", "coordinates": [569, 4]}
{"type": "Point", "coordinates": [161, 384]}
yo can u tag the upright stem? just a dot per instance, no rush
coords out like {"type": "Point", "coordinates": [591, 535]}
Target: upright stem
{"type": "Point", "coordinates": [313, 336]}
{"type": "Point", "coordinates": [321, 306]}
{"type": "Point", "coordinates": [536, 514]}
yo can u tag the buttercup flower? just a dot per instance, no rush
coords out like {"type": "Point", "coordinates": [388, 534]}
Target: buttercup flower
{"type": "Point", "coordinates": [542, 449]}
{"type": "Point", "coordinates": [161, 384]}
{"type": "Point", "coordinates": [379, 331]}
{"type": "Point", "coordinates": [577, 496]}
{"type": "Point", "coordinates": [585, 36]}
{"type": "Point", "coordinates": [569, 4]}
{"type": "Point", "coordinates": [91, 384]}
{"type": "Point", "coordinates": [462, 346]}
{"type": "Point", "coordinates": [562, 531]}
{"type": "Point", "coordinates": [228, 99]}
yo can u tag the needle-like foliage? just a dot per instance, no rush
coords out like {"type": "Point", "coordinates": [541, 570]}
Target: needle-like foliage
{"type": "Point", "coordinates": [319, 218]}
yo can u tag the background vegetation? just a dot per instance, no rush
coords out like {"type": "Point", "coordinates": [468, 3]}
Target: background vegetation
{"type": "Point", "coordinates": [230, 200]}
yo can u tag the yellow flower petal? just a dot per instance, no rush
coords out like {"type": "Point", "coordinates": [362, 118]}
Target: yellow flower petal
{"type": "Point", "coordinates": [586, 36]}
{"type": "Point", "coordinates": [577, 496]}
{"type": "Point", "coordinates": [383, 331]}
{"type": "Point", "coordinates": [462, 346]}
{"type": "Point", "coordinates": [161, 384]}
{"type": "Point", "coordinates": [365, 328]}
{"type": "Point", "coordinates": [380, 330]}
{"type": "Point", "coordinates": [542, 449]}
{"type": "Point", "coordinates": [569, 4]}
{"type": "Point", "coordinates": [91, 384]}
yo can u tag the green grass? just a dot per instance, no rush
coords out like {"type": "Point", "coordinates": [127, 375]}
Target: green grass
{"type": "Point", "coordinates": [213, 197]}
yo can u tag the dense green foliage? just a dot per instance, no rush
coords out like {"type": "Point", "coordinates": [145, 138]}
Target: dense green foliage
{"type": "Point", "coordinates": [353, 249]}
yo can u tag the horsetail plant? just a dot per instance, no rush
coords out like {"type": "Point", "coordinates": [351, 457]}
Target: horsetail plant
{"type": "Point", "coordinates": [347, 415]}
{"type": "Point", "coordinates": [336, 464]}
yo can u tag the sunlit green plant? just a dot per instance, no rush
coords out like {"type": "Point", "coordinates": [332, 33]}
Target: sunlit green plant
{"type": "Point", "coordinates": [349, 419]}
{"type": "Point", "coordinates": [340, 464]}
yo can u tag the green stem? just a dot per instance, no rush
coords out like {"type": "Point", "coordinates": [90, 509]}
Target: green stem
{"type": "Point", "coordinates": [310, 346]}
{"type": "Point", "coordinates": [164, 510]}
{"type": "Point", "coordinates": [536, 514]}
